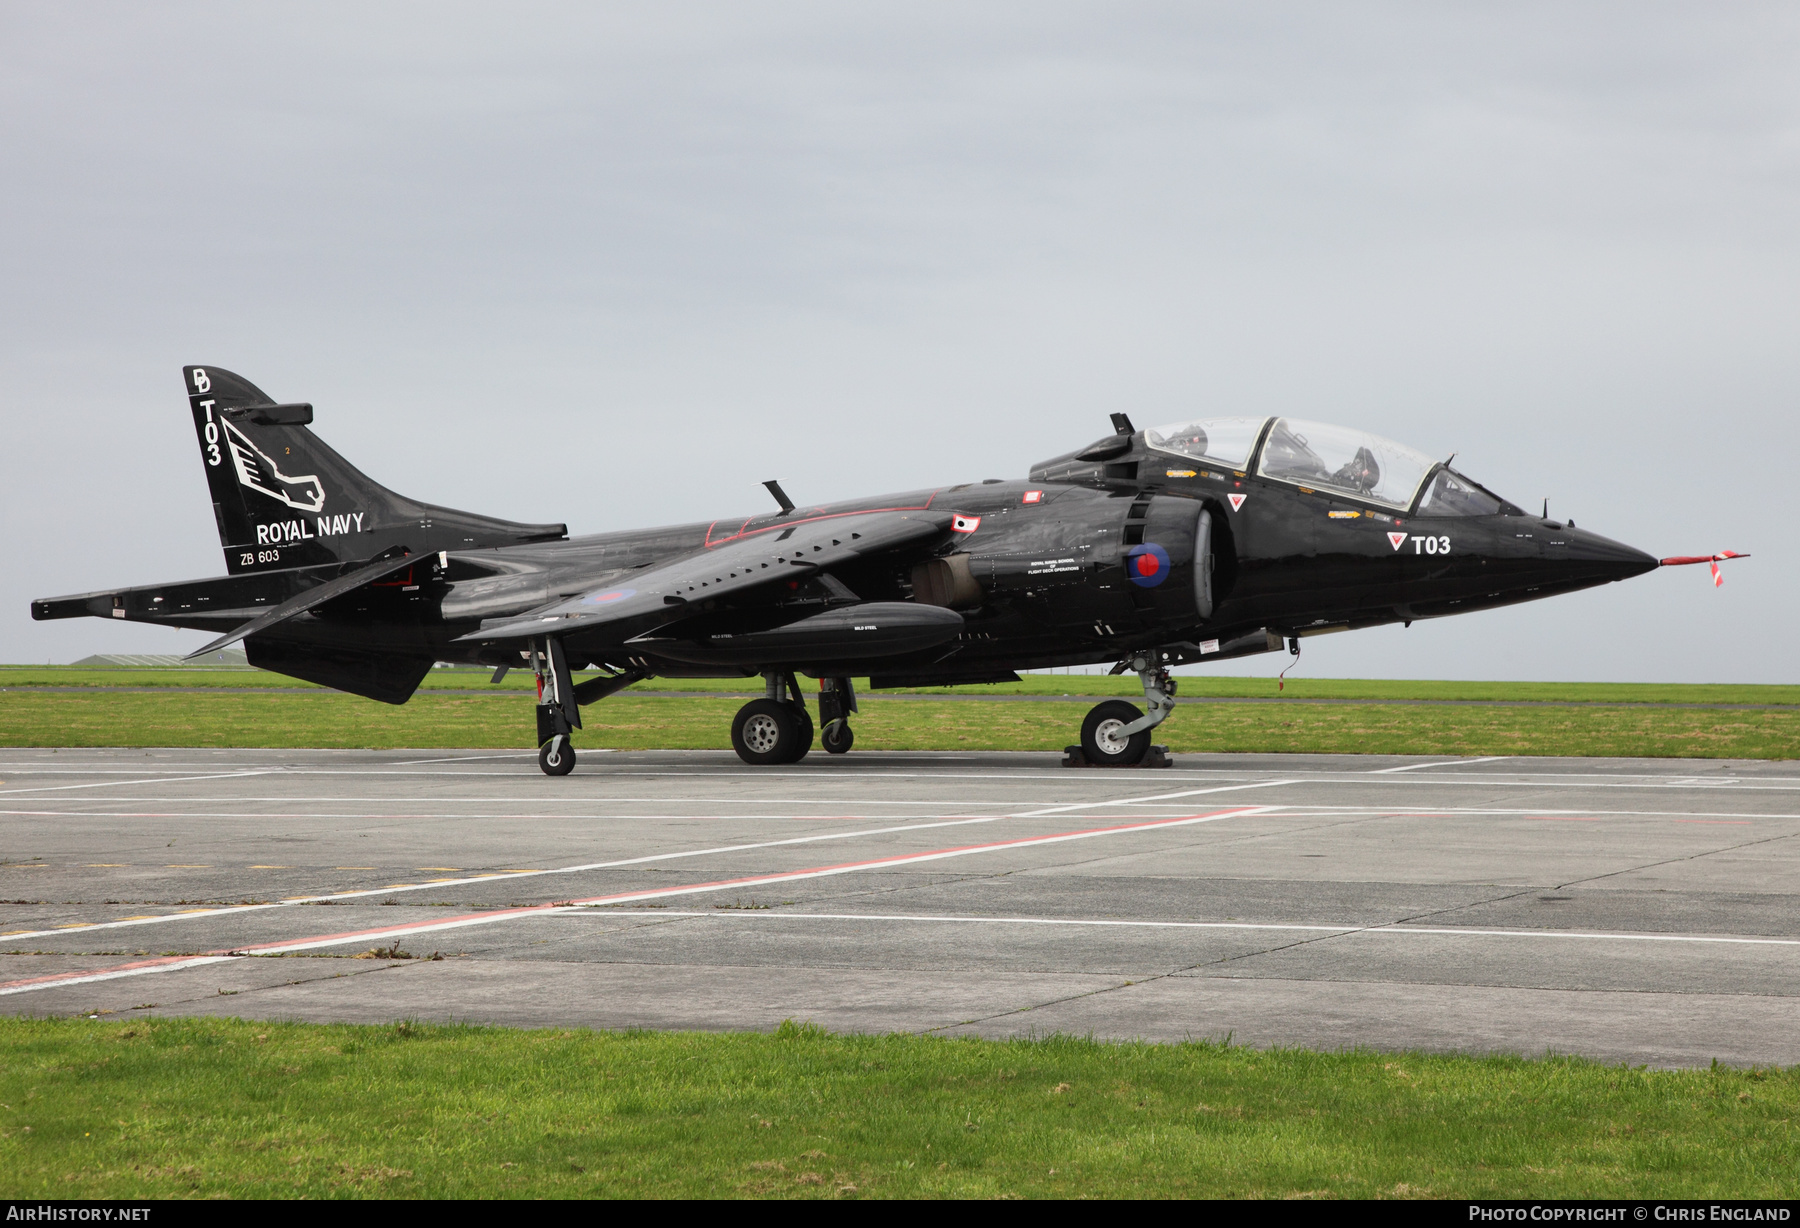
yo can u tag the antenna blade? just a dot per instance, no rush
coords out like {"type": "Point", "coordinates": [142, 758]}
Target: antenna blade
{"type": "Point", "coordinates": [774, 488]}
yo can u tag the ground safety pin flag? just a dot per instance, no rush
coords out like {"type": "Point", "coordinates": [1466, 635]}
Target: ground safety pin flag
{"type": "Point", "coordinates": [1711, 560]}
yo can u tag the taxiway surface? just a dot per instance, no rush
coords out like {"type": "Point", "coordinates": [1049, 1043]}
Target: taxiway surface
{"type": "Point", "coordinates": [1630, 910]}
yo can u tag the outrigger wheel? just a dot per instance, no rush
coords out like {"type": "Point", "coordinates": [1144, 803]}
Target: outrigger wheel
{"type": "Point", "coordinates": [767, 731]}
{"type": "Point", "coordinates": [557, 756]}
{"type": "Point", "coordinates": [1100, 740]}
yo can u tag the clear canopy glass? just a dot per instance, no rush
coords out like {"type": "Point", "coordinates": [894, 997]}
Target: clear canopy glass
{"type": "Point", "coordinates": [1344, 461]}
{"type": "Point", "coordinates": [1451, 494]}
{"type": "Point", "coordinates": [1226, 442]}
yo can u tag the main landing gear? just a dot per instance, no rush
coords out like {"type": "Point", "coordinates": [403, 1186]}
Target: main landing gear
{"type": "Point", "coordinates": [778, 729]}
{"type": "Point", "coordinates": [1116, 733]}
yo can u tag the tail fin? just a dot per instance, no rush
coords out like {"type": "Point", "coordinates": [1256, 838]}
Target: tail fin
{"type": "Point", "coordinates": [283, 498]}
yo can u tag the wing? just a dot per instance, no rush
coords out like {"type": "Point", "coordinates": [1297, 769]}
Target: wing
{"type": "Point", "coordinates": [648, 599]}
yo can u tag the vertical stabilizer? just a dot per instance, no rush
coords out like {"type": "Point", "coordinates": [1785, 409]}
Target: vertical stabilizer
{"type": "Point", "coordinates": [283, 498]}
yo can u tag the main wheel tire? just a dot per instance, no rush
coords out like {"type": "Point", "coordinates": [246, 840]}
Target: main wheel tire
{"type": "Point", "coordinates": [804, 740]}
{"type": "Point", "coordinates": [1100, 740]}
{"type": "Point", "coordinates": [765, 732]}
{"type": "Point", "coordinates": [556, 757]}
{"type": "Point", "coordinates": [838, 737]}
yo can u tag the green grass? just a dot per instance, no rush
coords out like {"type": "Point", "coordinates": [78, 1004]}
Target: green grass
{"type": "Point", "coordinates": [208, 1107]}
{"type": "Point", "coordinates": [1031, 684]}
{"type": "Point", "coordinates": [318, 718]}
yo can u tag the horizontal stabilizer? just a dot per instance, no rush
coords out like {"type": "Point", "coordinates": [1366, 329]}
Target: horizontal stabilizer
{"type": "Point", "coordinates": [310, 598]}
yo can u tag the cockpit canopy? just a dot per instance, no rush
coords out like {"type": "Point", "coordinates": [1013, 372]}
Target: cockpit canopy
{"type": "Point", "coordinates": [1336, 459]}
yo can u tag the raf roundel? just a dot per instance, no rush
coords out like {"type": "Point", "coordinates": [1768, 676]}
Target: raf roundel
{"type": "Point", "coordinates": [1147, 565]}
{"type": "Point", "coordinates": [610, 595]}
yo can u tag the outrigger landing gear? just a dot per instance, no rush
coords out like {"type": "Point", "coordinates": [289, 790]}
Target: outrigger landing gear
{"type": "Point", "coordinates": [558, 712]}
{"type": "Point", "coordinates": [776, 728]}
{"type": "Point", "coordinates": [837, 700]}
{"type": "Point", "coordinates": [1116, 733]}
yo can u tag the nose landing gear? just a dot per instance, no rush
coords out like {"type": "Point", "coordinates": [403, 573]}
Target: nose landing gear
{"type": "Point", "coordinates": [1116, 733]}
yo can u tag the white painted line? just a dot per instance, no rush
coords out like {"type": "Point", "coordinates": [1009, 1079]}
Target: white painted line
{"type": "Point", "coordinates": [1144, 801]}
{"type": "Point", "coordinates": [916, 858]}
{"type": "Point", "coordinates": [729, 914]}
{"type": "Point", "coordinates": [1148, 808]}
{"type": "Point", "coordinates": [1413, 767]}
{"type": "Point", "coordinates": [113, 974]}
{"type": "Point", "coordinates": [736, 778]}
{"type": "Point", "coordinates": [237, 910]}
{"type": "Point", "coordinates": [507, 914]}
{"type": "Point", "coordinates": [442, 884]}
{"type": "Point", "coordinates": [708, 800]}
{"type": "Point", "coordinates": [1401, 812]}
{"type": "Point", "coordinates": [106, 784]}
{"type": "Point", "coordinates": [1394, 810]}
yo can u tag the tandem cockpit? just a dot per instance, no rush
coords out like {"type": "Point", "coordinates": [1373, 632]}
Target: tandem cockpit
{"type": "Point", "coordinates": [1318, 456]}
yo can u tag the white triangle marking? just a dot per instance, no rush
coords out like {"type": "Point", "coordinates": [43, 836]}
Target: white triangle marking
{"type": "Point", "coordinates": [1237, 501]}
{"type": "Point", "coordinates": [1399, 539]}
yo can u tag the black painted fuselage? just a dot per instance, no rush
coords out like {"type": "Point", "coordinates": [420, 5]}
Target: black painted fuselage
{"type": "Point", "coordinates": [1140, 541]}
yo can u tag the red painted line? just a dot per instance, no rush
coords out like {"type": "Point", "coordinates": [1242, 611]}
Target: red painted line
{"type": "Point", "coordinates": [1557, 818]}
{"type": "Point", "coordinates": [405, 927]}
{"type": "Point", "coordinates": [440, 923]}
{"type": "Point", "coordinates": [142, 963]}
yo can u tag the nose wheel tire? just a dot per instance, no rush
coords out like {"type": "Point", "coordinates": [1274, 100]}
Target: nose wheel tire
{"type": "Point", "coordinates": [838, 737]}
{"type": "Point", "coordinates": [1100, 740]}
{"type": "Point", "coordinates": [556, 757]}
{"type": "Point", "coordinates": [766, 732]}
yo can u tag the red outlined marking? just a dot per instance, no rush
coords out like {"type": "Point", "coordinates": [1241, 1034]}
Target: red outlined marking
{"type": "Point", "coordinates": [1237, 502]}
{"type": "Point", "coordinates": [744, 531]}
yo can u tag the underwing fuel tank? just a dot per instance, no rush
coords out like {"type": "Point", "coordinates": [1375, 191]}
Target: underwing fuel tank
{"type": "Point", "coordinates": [867, 631]}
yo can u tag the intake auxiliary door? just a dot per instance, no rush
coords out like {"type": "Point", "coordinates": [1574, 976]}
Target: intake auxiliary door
{"type": "Point", "coordinates": [1203, 565]}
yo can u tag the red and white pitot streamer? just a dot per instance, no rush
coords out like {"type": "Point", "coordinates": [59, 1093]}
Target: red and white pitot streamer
{"type": "Point", "coordinates": [1712, 560]}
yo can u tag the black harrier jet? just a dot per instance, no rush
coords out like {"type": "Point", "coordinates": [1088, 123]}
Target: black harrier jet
{"type": "Point", "coordinates": [1148, 549]}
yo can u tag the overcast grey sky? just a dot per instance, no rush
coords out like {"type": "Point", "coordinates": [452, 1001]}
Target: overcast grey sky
{"type": "Point", "coordinates": [616, 264]}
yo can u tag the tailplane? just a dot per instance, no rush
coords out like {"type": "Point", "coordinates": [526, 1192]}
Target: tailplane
{"type": "Point", "coordinates": [283, 498]}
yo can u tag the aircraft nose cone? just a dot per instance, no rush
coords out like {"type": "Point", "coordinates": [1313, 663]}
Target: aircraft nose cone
{"type": "Point", "coordinates": [1599, 557]}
